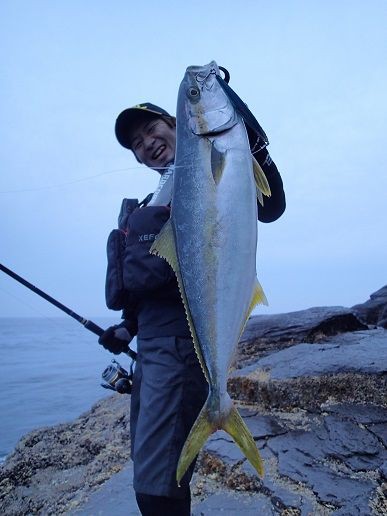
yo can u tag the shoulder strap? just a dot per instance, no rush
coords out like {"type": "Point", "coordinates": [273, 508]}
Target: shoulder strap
{"type": "Point", "coordinates": [145, 201]}
{"type": "Point", "coordinates": [127, 207]}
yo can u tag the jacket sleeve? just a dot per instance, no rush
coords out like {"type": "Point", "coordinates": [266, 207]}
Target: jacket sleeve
{"type": "Point", "coordinates": [274, 206]}
{"type": "Point", "coordinates": [129, 316]}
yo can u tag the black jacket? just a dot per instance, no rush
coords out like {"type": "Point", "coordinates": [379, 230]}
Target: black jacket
{"type": "Point", "coordinates": [274, 206]}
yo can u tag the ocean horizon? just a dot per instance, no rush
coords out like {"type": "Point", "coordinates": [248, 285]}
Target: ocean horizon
{"type": "Point", "coordinates": [50, 373]}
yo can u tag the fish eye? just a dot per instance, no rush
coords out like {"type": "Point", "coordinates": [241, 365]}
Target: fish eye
{"type": "Point", "coordinates": [193, 92]}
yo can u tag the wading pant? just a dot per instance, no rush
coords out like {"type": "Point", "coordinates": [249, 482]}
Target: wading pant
{"type": "Point", "coordinates": [163, 506]}
{"type": "Point", "coordinates": [169, 389]}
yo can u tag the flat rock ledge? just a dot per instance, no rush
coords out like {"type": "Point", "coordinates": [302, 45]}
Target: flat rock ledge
{"type": "Point", "coordinates": [310, 385]}
{"type": "Point", "coordinates": [331, 461]}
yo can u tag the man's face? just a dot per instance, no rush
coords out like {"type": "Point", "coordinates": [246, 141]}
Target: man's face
{"type": "Point", "coordinates": [153, 142]}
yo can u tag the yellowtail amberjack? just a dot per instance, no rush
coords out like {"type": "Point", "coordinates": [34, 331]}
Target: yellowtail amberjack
{"type": "Point", "coordinates": [210, 242]}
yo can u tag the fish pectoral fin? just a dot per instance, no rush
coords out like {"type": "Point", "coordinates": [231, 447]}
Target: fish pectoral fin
{"type": "Point", "coordinates": [218, 161]}
{"type": "Point", "coordinates": [200, 432]}
{"type": "Point", "coordinates": [236, 427]}
{"type": "Point", "coordinates": [259, 196]}
{"type": "Point", "coordinates": [260, 179]}
{"type": "Point", "coordinates": [164, 246]}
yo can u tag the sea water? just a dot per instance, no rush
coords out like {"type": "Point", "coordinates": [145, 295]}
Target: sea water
{"type": "Point", "coordinates": [50, 372]}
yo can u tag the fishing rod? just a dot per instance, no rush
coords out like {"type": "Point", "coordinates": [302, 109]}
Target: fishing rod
{"type": "Point", "coordinates": [115, 376]}
{"type": "Point", "coordinates": [89, 325]}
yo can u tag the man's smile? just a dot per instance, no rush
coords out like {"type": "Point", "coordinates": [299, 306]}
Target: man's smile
{"type": "Point", "coordinates": [157, 153]}
{"type": "Point", "coordinates": [153, 142]}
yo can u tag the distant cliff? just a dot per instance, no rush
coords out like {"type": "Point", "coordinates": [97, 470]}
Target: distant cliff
{"type": "Point", "coordinates": [312, 387]}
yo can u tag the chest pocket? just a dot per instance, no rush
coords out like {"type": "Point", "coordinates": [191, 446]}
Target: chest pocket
{"type": "Point", "coordinates": [115, 294]}
{"type": "Point", "coordinates": [143, 271]}
{"type": "Point", "coordinates": [131, 268]}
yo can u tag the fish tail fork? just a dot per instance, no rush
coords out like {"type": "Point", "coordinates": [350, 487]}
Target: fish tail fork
{"type": "Point", "coordinates": [204, 426]}
{"type": "Point", "coordinates": [200, 432]}
{"type": "Point", "coordinates": [236, 427]}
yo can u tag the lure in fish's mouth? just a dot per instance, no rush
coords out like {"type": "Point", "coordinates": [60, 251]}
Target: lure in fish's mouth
{"type": "Point", "coordinates": [201, 79]}
{"type": "Point", "coordinates": [243, 110]}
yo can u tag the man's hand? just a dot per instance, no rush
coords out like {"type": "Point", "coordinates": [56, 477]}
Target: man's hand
{"type": "Point", "coordinates": [116, 339]}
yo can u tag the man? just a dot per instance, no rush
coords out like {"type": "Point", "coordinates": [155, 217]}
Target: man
{"type": "Point", "coordinates": [150, 132]}
{"type": "Point", "coordinates": [169, 387]}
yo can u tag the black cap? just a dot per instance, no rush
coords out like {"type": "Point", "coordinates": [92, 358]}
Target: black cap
{"type": "Point", "coordinates": [126, 120]}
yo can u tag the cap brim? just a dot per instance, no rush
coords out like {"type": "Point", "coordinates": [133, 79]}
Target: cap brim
{"type": "Point", "coordinates": [127, 119]}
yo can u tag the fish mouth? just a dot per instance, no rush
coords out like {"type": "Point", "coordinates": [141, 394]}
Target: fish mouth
{"type": "Point", "coordinates": [213, 121]}
{"type": "Point", "coordinates": [157, 153]}
{"type": "Point", "coordinates": [216, 132]}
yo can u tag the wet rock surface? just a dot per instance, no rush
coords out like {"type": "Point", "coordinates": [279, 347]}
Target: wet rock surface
{"type": "Point", "coordinates": [316, 463]}
{"type": "Point", "coordinates": [373, 311]}
{"type": "Point", "coordinates": [267, 333]}
{"type": "Point", "coordinates": [311, 387]}
{"type": "Point", "coordinates": [345, 367]}
{"type": "Point", "coordinates": [53, 469]}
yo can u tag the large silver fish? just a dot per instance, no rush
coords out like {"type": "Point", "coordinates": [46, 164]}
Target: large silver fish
{"type": "Point", "coordinates": [210, 241]}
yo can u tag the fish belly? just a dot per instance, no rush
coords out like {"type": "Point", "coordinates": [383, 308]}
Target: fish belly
{"type": "Point", "coordinates": [216, 238]}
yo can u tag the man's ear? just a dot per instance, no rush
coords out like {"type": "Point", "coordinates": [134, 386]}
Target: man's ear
{"type": "Point", "coordinates": [138, 160]}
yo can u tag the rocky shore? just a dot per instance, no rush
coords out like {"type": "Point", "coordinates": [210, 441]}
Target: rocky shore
{"type": "Point", "coordinates": [312, 387]}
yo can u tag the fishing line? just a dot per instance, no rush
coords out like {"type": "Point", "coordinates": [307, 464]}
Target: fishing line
{"type": "Point", "coordinates": [88, 178]}
{"type": "Point", "coordinates": [80, 180]}
{"type": "Point", "coordinates": [86, 323]}
{"type": "Point", "coordinates": [32, 308]}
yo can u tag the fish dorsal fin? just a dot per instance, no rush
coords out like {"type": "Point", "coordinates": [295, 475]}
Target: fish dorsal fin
{"type": "Point", "coordinates": [218, 160]}
{"type": "Point", "coordinates": [260, 180]}
{"type": "Point", "coordinates": [258, 297]}
{"type": "Point", "coordinates": [165, 247]}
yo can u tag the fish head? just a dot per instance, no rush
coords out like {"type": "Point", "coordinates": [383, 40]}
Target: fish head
{"type": "Point", "coordinates": [203, 104]}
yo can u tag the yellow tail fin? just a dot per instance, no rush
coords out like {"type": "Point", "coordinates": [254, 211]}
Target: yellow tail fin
{"type": "Point", "coordinates": [204, 426]}
{"type": "Point", "coordinates": [200, 432]}
{"type": "Point", "coordinates": [236, 427]}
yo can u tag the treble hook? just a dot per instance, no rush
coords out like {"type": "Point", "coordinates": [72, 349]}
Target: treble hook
{"type": "Point", "coordinates": [200, 78]}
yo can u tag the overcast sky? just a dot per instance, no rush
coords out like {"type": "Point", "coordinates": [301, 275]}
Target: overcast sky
{"type": "Point", "coordinates": [312, 72]}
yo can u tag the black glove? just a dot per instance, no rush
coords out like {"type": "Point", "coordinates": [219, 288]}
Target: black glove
{"type": "Point", "coordinates": [116, 339]}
